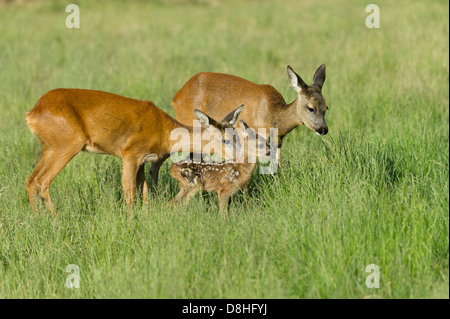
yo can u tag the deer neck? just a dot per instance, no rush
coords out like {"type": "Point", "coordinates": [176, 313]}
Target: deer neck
{"type": "Point", "coordinates": [286, 119]}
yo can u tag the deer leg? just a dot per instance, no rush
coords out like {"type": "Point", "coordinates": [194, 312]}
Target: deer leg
{"type": "Point", "coordinates": [185, 194]}
{"type": "Point", "coordinates": [192, 191]}
{"type": "Point", "coordinates": [141, 183]}
{"type": "Point", "coordinates": [129, 174]}
{"type": "Point", "coordinates": [181, 194]}
{"type": "Point", "coordinates": [224, 202]}
{"type": "Point", "coordinates": [30, 183]}
{"type": "Point", "coordinates": [280, 166]}
{"type": "Point", "coordinates": [154, 170]}
{"type": "Point", "coordinates": [53, 163]}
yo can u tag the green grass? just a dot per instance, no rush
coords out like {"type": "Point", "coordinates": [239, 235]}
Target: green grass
{"type": "Point", "coordinates": [373, 191]}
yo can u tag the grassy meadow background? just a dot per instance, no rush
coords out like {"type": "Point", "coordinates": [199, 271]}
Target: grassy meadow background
{"type": "Point", "coordinates": [375, 190]}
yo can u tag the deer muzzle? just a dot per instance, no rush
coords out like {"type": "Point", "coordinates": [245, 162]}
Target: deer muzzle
{"type": "Point", "coordinates": [322, 131]}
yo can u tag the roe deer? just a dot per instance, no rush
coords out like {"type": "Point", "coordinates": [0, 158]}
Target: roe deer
{"type": "Point", "coordinates": [224, 178]}
{"type": "Point", "coordinates": [214, 93]}
{"type": "Point", "coordinates": [68, 121]}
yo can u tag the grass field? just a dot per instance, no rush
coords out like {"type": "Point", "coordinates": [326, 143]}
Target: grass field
{"type": "Point", "coordinates": [375, 190]}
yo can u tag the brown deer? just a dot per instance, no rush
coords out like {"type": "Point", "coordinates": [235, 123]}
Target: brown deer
{"type": "Point", "coordinates": [68, 121]}
{"type": "Point", "coordinates": [214, 93]}
{"type": "Point", "coordinates": [223, 178]}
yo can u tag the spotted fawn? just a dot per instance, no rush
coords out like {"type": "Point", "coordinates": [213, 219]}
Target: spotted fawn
{"type": "Point", "coordinates": [223, 178]}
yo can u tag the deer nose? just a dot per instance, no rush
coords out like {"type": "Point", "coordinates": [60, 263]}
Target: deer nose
{"type": "Point", "coordinates": [322, 131]}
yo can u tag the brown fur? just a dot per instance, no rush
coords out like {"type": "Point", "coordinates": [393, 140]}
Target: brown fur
{"type": "Point", "coordinates": [68, 121]}
{"type": "Point", "coordinates": [265, 107]}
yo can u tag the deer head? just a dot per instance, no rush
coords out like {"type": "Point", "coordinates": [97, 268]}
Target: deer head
{"type": "Point", "coordinates": [310, 105]}
{"type": "Point", "coordinates": [222, 133]}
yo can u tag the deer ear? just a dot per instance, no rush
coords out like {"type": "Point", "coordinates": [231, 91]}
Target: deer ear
{"type": "Point", "coordinates": [246, 130]}
{"type": "Point", "coordinates": [295, 80]}
{"type": "Point", "coordinates": [205, 120]}
{"type": "Point", "coordinates": [231, 119]}
{"type": "Point", "coordinates": [319, 76]}
{"type": "Point", "coordinates": [243, 124]}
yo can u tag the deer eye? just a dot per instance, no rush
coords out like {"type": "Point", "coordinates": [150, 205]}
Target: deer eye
{"type": "Point", "coordinates": [310, 109]}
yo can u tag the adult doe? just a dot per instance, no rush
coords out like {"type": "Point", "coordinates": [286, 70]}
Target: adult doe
{"type": "Point", "coordinates": [68, 121]}
{"type": "Point", "coordinates": [214, 93]}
